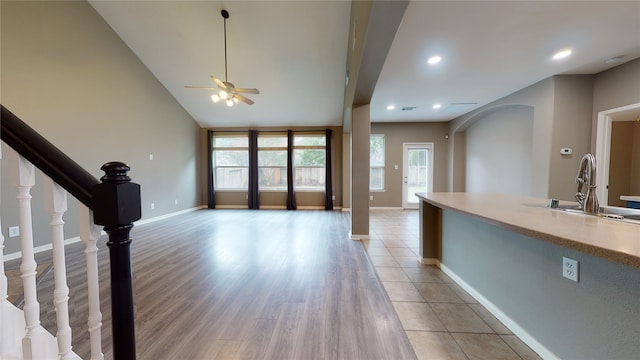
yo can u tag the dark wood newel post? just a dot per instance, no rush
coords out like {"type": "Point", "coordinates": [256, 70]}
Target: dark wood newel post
{"type": "Point", "coordinates": [116, 206]}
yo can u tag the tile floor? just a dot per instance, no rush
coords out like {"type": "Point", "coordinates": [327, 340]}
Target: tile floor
{"type": "Point", "coordinates": [441, 320]}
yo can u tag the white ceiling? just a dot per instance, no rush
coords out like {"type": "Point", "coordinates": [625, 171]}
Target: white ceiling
{"type": "Point", "coordinates": [295, 52]}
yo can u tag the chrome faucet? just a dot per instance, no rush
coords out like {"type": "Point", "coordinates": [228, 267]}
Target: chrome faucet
{"type": "Point", "coordinates": [587, 177]}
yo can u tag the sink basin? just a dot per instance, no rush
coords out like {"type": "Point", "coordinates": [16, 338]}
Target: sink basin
{"type": "Point", "coordinates": [612, 212]}
{"type": "Point", "coordinates": [627, 213]}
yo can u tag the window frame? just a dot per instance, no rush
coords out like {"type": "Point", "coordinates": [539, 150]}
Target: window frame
{"type": "Point", "coordinates": [322, 186]}
{"type": "Point", "coordinates": [215, 167]}
{"type": "Point", "coordinates": [377, 167]}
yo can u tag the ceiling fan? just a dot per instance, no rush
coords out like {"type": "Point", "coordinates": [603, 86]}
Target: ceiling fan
{"type": "Point", "coordinates": [226, 90]}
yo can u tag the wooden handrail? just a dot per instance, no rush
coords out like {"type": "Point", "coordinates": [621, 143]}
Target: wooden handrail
{"type": "Point", "coordinates": [46, 157]}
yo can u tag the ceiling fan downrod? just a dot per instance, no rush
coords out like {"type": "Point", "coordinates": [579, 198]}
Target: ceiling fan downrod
{"type": "Point", "coordinates": [225, 15]}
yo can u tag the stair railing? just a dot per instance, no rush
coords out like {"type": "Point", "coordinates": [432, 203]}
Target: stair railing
{"type": "Point", "coordinates": [112, 202]}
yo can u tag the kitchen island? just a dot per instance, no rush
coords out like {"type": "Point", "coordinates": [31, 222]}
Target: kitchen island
{"type": "Point", "coordinates": [507, 251]}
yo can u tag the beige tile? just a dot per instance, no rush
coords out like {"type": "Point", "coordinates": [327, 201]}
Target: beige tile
{"type": "Point", "coordinates": [378, 251]}
{"type": "Point", "coordinates": [460, 318]}
{"type": "Point", "coordinates": [491, 320]}
{"type": "Point", "coordinates": [485, 346]}
{"type": "Point", "coordinates": [394, 243]}
{"type": "Point", "coordinates": [397, 252]}
{"type": "Point", "coordinates": [520, 347]}
{"type": "Point", "coordinates": [462, 294]}
{"type": "Point", "coordinates": [402, 291]}
{"type": "Point", "coordinates": [435, 346]}
{"type": "Point", "coordinates": [418, 316]}
{"type": "Point", "coordinates": [387, 261]}
{"type": "Point", "coordinates": [445, 278]}
{"type": "Point", "coordinates": [438, 293]}
{"type": "Point", "coordinates": [391, 274]}
{"type": "Point", "coordinates": [424, 274]}
{"type": "Point", "coordinates": [407, 261]}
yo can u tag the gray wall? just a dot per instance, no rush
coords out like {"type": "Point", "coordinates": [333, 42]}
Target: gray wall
{"type": "Point", "coordinates": [616, 87]}
{"type": "Point", "coordinates": [395, 134]}
{"type": "Point", "coordinates": [596, 318]}
{"type": "Point", "coordinates": [572, 103]}
{"type": "Point", "coordinates": [540, 98]}
{"type": "Point", "coordinates": [70, 77]}
{"type": "Point", "coordinates": [499, 152]}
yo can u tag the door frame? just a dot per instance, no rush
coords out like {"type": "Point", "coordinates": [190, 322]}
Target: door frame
{"type": "Point", "coordinates": [405, 188]}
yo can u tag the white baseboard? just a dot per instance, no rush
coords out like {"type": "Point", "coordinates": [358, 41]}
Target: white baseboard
{"type": "Point", "coordinates": [166, 216]}
{"type": "Point", "coordinates": [39, 249]}
{"type": "Point", "coordinates": [385, 208]}
{"type": "Point", "coordinates": [429, 261]}
{"type": "Point", "coordinates": [346, 209]}
{"type": "Point", "coordinates": [241, 207]}
{"type": "Point", "coordinates": [47, 247]}
{"type": "Point", "coordinates": [534, 344]}
{"type": "Point", "coordinates": [310, 207]}
{"type": "Point", "coordinates": [356, 237]}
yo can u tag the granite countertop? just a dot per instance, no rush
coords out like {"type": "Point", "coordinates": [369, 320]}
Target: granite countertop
{"type": "Point", "coordinates": [610, 239]}
{"type": "Point", "coordinates": [630, 198]}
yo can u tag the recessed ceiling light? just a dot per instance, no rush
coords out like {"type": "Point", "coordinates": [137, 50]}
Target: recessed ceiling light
{"type": "Point", "coordinates": [437, 106]}
{"type": "Point", "coordinates": [434, 60]}
{"type": "Point", "coordinates": [561, 54]}
{"type": "Point", "coordinates": [391, 107]}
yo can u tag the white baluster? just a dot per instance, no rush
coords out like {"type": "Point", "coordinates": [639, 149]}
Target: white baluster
{"type": "Point", "coordinates": [33, 344]}
{"type": "Point", "coordinates": [56, 206]}
{"type": "Point", "coordinates": [89, 233]}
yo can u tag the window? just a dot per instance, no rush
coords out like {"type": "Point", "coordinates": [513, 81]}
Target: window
{"type": "Point", "coordinates": [231, 162]}
{"type": "Point", "coordinates": [376, 162]}
{"type": "Point", "coordinates": [309, 162]}
{"type": "Point", "coordinates": [272, 162]}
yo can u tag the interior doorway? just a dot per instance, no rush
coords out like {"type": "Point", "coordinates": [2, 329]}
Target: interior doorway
{"type": "Point", "coordinates": [417, 172]}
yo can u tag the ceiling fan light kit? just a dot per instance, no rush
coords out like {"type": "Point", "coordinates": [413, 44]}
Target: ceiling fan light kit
{"type": "Point", "coordinates": [227, 91]}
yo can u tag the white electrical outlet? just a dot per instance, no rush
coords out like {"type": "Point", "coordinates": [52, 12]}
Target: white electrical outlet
{"type": "Point", "coordinates": [153, 206]}
{"type": "Point", "coordinates": [370, 197]}
{"type": "Point", "coordinates": [570, 268]}
{"type": "Point", "coordinates": [14, 231]}
{"type": "Point", "coordinates": [333, 197]}
{"type": "Point", "coordinates": [175, 202]}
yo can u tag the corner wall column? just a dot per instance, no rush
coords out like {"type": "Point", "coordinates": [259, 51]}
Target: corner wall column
{"type": "Point", "coordinates": [360, 133]}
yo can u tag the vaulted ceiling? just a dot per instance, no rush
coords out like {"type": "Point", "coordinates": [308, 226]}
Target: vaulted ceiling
{"type": "Point", "coordinates": [295, 53]}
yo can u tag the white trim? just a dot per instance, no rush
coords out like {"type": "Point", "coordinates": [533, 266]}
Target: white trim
{"type": "Point", "coordinates": [232, 206]}
{"type": "Point", "coordinates": [314, 207]}
{"type": "Point", "coordinates": [522, 334]}
{"type": "Point", "coordinates": [166, 216]}
{"type": "Point", "coordinates": [385, 208]}
{"type": "Point", "coordinates": [39, 249]}
{"type": "Point", "coordinates": [603, 150]}
{"type": "Point", "coordinates": [429, 261]}
{"type": "Point", "coordinates": [405, 164]}
{"type": "Point", "coordinates": [357, 237]}
{"type": "Point", "coordinates": [346, 209]}
{"type": "Point", "coordinates": [47, 247]}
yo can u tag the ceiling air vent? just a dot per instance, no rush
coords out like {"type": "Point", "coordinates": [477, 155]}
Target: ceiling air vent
{"type": "Point", "coordinates": [408, 108]}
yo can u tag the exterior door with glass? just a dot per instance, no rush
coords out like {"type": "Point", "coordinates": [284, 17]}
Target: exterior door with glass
{"type": "Point", "coordinates": [417, 172]}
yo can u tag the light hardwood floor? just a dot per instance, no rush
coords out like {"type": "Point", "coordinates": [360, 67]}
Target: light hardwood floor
{"type": "Point", "coordinates": [242, 284]}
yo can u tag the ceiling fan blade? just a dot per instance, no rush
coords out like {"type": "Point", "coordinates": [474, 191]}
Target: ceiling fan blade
{"type": "Point", "coordinates": [244, 99]}
{"type": "Point", "coordinates": [199, 87]}
{"type": "Point", "coordinates": [218, 81]}
{"type": "Point", "coordinates": [247, 91]}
